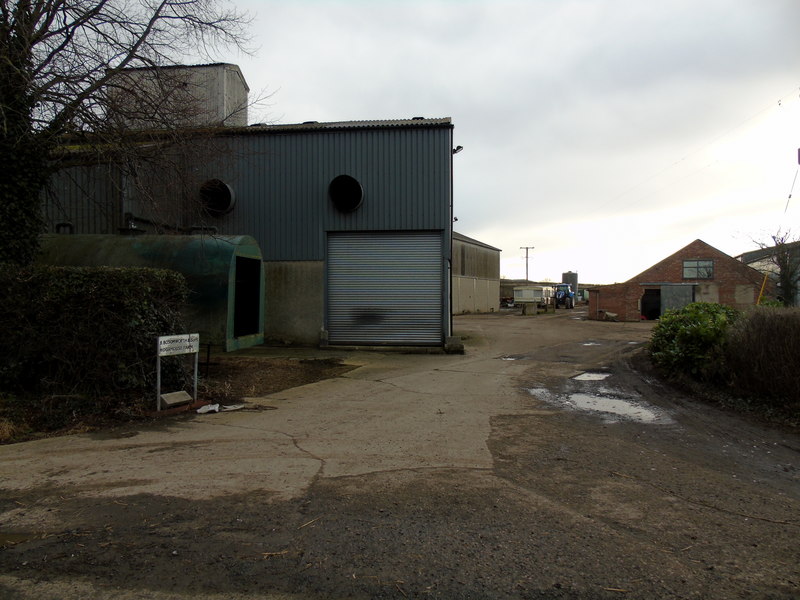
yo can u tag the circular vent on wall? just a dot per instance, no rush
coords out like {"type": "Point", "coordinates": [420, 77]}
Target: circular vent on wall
{"type": "Point", "coordinates": [346, 193]}
{"type": "Point", "coordinates": [217, 197]}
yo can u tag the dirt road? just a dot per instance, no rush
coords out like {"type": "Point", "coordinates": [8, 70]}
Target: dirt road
{"type": "Point", "coordinates": [496, 474]}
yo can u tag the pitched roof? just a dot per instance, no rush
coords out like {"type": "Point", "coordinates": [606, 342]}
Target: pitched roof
{"type": "Point", "coordinates": [462, 238]}
{"type": "Point", "coordinates": [698, 249]}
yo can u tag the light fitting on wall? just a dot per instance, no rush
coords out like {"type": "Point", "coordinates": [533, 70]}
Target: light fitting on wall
{"type": "Point", "coordinates": [457, 149]}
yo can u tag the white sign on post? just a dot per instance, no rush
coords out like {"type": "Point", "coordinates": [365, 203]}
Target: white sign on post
{"type": "Point", "coordinates": [170, 345]}
{"type": "Point", "coordinates": [173, 345]}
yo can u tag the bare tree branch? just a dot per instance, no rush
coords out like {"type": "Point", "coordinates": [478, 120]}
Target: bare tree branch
{"type": "Point", "coordinates": [58, 58]}
{"type": "Point", "coordinates": [781, 260]}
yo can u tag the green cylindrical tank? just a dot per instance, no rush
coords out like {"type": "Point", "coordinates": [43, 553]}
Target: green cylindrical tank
{"type": "Point", "coordinates": [224, 274]}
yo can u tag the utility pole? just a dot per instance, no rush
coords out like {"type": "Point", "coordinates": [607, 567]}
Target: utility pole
{"type": "Point", "coordinates": [526, 248]}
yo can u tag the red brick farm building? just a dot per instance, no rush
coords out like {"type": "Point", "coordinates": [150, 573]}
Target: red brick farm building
{"type": "Point", "coordinates": [696, 273]}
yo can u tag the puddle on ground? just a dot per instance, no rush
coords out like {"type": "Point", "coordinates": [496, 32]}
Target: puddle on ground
{"type": "Point", "coordinates": [612, 409]}
{"type": "Point", "coordinates": [588, 376]}
{"type": "Point", "coordinates": [591, 344]}
{"type": "Point", "coordinates": [614, 406]}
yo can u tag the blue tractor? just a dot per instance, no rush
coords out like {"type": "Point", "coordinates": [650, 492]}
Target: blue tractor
{"type": "Point", "coordinates": [564, 296]}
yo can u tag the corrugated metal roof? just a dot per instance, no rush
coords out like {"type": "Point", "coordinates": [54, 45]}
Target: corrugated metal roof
{"type": "Point", "coordinates": [75, 145]}
{"type": "Point", "coordinates": [762, 253]}
{"type": "Point", "coordinates": [463, 238]}
{"type": "Point", "coordinates": [178, 67]}
{"type": "Point", "coordinates": [420, 122]}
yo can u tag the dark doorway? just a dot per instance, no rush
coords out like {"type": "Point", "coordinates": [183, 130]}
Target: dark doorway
{"type": "Point", "coordinates": [247, 296]}
{"type": "Point", "coordinates": [651, 304]}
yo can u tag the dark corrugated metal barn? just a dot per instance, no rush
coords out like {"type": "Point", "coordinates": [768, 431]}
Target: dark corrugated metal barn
{"type": "Point", "coordinates": [353, 219]}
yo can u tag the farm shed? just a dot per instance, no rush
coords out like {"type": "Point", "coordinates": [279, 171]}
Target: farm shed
{"type": "Point", "coordinates": [476, 276]}
{"type": "Point", "coordinates": [353, 218]}
{"type": "Point", "coordinates": [696, 273]}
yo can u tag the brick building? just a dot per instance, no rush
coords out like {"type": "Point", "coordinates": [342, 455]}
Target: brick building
{"type": "Point", "coordinates": [696, 273]}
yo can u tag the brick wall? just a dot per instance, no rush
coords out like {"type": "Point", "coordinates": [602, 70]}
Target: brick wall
{"type": "Point", "coordinates": [619, 299]}
{"type": "Point", "coordinates": [733, 283]}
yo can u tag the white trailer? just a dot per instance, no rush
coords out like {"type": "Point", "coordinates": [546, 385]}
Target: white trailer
{"type": "Point", "coordinates": [533, 294]}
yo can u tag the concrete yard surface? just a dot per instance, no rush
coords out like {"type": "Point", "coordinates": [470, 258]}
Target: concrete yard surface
{"type": "Point", "coordinates": [545, 462]}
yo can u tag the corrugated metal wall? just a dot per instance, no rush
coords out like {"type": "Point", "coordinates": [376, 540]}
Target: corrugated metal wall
{"type": "Point", "coordinates": [471, 260]}
{"type": "Point", "coordinates": [385, 288]}
{"type": "Point", "coordinates": [88, 198]}
{"type": "Point", "coordinates": [281, 184]}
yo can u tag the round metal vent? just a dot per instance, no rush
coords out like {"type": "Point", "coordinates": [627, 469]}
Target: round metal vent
{"type": "Point", "coordinates": [217, 197]}
{"type": "Point", "coordinates": [346, 193]}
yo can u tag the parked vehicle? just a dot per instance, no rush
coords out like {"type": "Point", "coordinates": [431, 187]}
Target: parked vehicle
{"type": "Point", "coordinates": [533, 294]}
{"type": "Point", "coordinates": [564, 296]}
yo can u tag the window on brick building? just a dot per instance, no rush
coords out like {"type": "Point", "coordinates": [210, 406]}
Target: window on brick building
{"type": "Point", "coordinates": [698, 269]}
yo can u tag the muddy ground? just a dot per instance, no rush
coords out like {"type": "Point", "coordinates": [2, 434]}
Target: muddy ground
{"type": "Point", "coordinates": [229, 379]}
{"type": "Point", "coordinates": [601, 488]}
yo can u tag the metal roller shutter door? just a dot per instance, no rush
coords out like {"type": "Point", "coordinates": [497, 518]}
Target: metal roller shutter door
{"type": "Point", "coordinates": [385, 288]}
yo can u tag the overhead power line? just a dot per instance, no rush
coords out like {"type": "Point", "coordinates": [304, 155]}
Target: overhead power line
{"type": "Point", "coordinates": [792, 188]}
{"type": "Point", "coordinates": [689, 154]}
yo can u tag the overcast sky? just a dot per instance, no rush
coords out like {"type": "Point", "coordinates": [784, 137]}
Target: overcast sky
{"type": "Point", "coordinates": [607, 134]}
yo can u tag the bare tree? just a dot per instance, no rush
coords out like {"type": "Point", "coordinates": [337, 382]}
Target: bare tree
{"type": "Point", "coordinates": [786, 257]}
{"type": "Point", "coordinates": [780, 259]}
{"type": "Point", "coordinates": [58, 59]}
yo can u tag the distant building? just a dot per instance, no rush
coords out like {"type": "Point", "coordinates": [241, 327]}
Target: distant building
{"type": "Point", "coordinates": [475, 276]}
{"type": "Point", "coordinates": [696, 273]}
{"type": "Point", "coordinates": [763, 261]}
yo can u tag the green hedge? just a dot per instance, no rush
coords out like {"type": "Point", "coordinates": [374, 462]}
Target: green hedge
{"type": "Point", "coordinates": [762, 354]}
{"type": "Point", "coordinates": [753, 356]}
{"type": "Point", "coordinates": [88, 332]}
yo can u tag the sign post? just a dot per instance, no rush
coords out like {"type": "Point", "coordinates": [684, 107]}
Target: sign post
{"type": "Point", "coordinates": [173, 345]}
